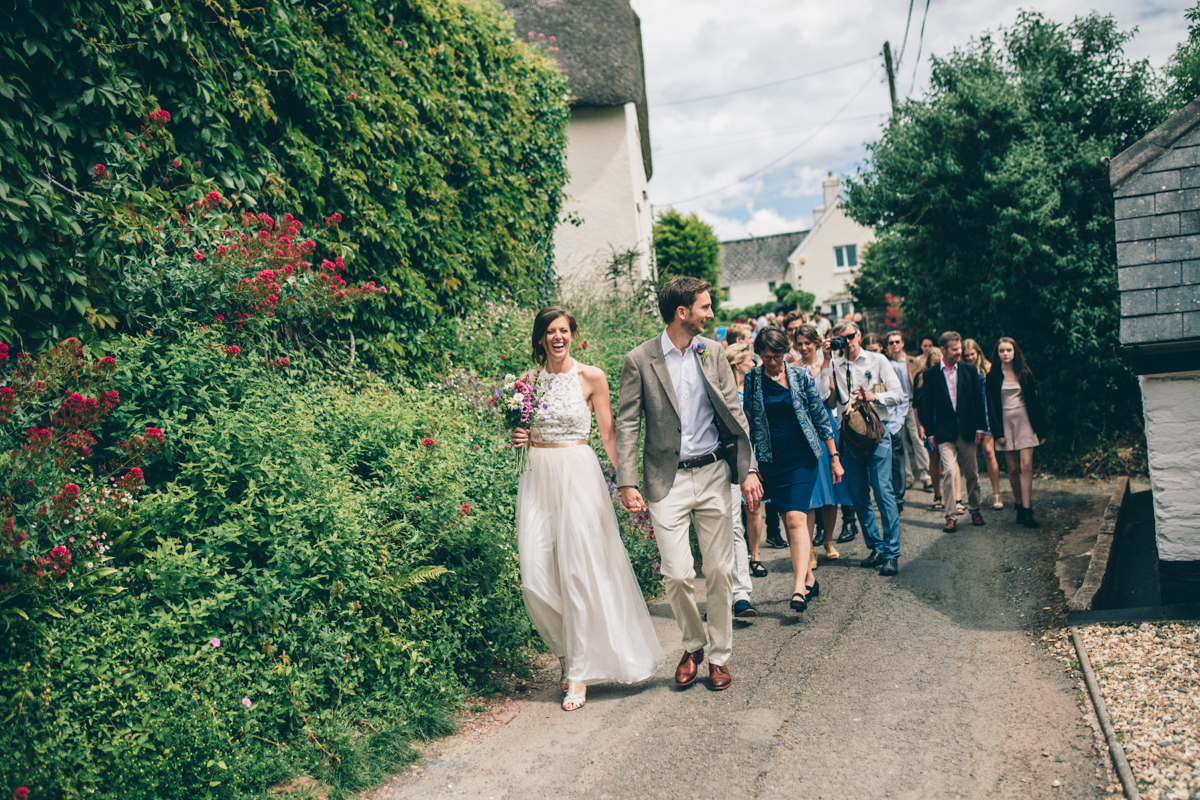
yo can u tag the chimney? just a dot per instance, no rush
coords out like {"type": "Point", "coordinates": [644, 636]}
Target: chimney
{"type": "Point", "coordinates": [831, 188]}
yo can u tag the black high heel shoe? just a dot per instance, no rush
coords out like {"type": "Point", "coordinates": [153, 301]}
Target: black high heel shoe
{"type": "Point", "coordinates": [757, 570]}
{"type": "Point", "coordinates": [799, 604]}
{"type": "Point", "coordinates": [814, 591]}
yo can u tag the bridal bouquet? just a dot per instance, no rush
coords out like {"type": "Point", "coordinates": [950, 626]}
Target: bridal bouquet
{"type": "Point", "coordinates": [519, 406]}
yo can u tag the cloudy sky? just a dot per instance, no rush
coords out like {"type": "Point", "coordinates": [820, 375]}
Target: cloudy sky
{"type": "Point", "coordinates": [789, 135]}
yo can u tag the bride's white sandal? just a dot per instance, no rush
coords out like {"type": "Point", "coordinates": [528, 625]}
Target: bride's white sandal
{"type": "Point", "coordinates": [562, 682]}
{"type": "Point", "coordinates": [576, 696]}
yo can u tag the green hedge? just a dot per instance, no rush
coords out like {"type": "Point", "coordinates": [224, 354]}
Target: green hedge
{"type": "Point", "coordinates": [435, 133]}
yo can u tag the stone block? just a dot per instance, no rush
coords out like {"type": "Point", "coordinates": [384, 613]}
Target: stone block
{"type": "Point", "coordinates": [1189, 178]}
{"type": "Point", "coordinates": [1139, 228]}
{"type": "Point", "coordinates": [1150, 276]}
{"type": "Point", "coordinates": [1178, 299]}
{"type": "Point", "coordinates": [1130, 254]}
{"type": "Point", "coordinates": [1158, 328]}
{"type": "Point", "coordinates": [1176, 248]}
{"type": "Point", "coordinates": [1148, 183]}
{"type": "Point", "coordinates": [1189, 223]}
{"type": "Point", "coordinates": [1172, 202]}
{"type": "Point", "coordinates": [1175, 158]}
{"type": "Point", "coordinates": [1191, 271]}
{"type": "Point", "coordinates": [1130, 207]}
{"type": "Point", "coordinates": [1192, 139]}
{"type": "Point", "coordinates": [1140, 303]}
{"type": "Point", "coordinates": [1191, 324]}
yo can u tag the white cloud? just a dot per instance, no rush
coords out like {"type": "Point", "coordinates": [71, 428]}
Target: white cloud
{"type": "Point", "coordinates": [696, 48]}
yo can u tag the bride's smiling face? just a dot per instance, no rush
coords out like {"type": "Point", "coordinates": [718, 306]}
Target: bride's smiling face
{"type": "Point", "coordinates": [557, 340]}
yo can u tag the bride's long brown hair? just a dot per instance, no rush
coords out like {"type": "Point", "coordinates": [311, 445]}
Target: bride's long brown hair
{"type": "Point", "coordinates": [542, 322]}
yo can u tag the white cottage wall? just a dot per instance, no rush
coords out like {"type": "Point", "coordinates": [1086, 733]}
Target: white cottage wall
{"type": "Point", "coordinates": [1172, 420]}
{"type": "Point", "coordinates": [820, 273]}
{"type": "Point", "coordinates": [607, 191]}
{"type": "Point", "coordinates": [748, 294]}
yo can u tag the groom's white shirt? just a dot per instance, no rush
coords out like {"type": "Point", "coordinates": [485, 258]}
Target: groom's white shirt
{"type": "Point", "coordinates": [697, 421]}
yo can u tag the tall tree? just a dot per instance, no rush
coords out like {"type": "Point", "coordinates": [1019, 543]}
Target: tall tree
{"type": "Point", "coordinates": [687, 246]}
{"type": "Point", "coordinates": [987, 197]}
{"type": "Point", "coordinates": [1183, 70]}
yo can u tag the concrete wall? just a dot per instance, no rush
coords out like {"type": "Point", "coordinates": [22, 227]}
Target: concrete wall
{"type": "Point", "coordinates": [607, 191]}
{"type": "Point", "coordinates": [750, 294]}
{"type": "Point", "coordinates": [1158, 247]}
{"type": "Point", "coordinates": [820, 273]}
{"type": "Point", "coordinates": [1172, 422]}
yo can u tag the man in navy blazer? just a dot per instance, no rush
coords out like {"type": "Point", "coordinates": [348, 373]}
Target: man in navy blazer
{"type": "Point", "coordinates": [952, 413]}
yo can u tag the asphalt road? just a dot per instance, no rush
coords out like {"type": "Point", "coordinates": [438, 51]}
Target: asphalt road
{"type": "Point", "coordinates": [928, 685]}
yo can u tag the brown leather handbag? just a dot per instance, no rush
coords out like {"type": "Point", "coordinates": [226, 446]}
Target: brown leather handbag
{"type": "Point", "coordinates": [862, 429]}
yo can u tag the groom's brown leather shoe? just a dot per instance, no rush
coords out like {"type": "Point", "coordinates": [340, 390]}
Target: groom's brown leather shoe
{"type": "Point", "coordinates": [718, 677]}
{"type": "Point", "coordinates": [689, 665]}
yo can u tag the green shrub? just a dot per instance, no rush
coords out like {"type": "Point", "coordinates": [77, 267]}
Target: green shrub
{"type": "Point", "coordinates": [436, 133]}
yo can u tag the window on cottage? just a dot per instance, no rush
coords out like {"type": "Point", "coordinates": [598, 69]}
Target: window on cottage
{"type": "Point", "coordinates": [770, 286]}
{"type": "Point", "coordinates": [846, 255]}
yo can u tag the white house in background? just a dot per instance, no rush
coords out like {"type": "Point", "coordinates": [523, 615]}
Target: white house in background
{"type": "Point", "coordinates": [826, 259]}
{"type": "Point", "coordinates": [751, 269]}
{"type": "Point", "coordinates": [608, 137]}
{"type": "Point", "coordinates": [822, 260]}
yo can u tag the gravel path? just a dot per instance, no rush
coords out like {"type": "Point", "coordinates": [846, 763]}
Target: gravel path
{"type": "Point", "coordinates": [929, 685]}
{"type": "Point", "coordinates": [1149, 677]}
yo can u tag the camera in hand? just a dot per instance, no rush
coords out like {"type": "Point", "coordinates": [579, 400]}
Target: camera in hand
{"type": "Point", "coordinates": [838, 344]}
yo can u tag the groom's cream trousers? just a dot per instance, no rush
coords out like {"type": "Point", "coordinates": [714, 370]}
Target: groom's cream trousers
{"type": "Point", "coordinates": [702, 494]}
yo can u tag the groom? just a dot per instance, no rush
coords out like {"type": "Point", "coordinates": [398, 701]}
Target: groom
{"type": "Point", "coordinates": [696, 433]}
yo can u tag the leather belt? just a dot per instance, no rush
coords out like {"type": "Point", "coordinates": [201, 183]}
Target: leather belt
{"type": "Point", "coordinates": [575, 443]}
{"type": "Point", "coordinates": [699, 461]}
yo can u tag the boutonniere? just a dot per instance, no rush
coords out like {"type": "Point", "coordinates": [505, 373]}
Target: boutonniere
{"type": "Point", "coordinates": [868, 376]}
{"type": "Point", "coordinates": [701, 350]}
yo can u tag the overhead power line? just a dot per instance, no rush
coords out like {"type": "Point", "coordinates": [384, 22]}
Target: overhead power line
{"type": "Point", "coordinates": [904, 43]}
{"type": "Point", "coordinates": [763, 85]}
{"type": "Point", "coordinates": [920, 44]}
{"type": "Point", "coordinates": [760, 171]}
{"type": "Point", "coordinates": [757, 133]}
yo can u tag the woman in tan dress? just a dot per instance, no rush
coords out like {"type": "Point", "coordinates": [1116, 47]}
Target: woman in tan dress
{"type": "Point", "coordinates": [1016, 418]}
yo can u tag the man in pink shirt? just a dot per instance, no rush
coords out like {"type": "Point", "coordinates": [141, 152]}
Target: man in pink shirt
{"type": "Point", "coordinates": [952, 413]}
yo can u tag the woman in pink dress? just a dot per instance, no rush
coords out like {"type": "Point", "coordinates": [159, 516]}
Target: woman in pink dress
{"type": "Point", "coordinates": [1018, 422]}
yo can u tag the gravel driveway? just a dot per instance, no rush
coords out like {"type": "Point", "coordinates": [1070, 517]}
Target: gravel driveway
{"type": "Point", "coordinates": [929, 685]}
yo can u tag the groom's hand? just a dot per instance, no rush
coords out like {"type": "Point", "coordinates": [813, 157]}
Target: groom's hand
{"type": "Point", "coordinates": [752, 491]}
{"type": "Point", "coordinates": [631, 500]}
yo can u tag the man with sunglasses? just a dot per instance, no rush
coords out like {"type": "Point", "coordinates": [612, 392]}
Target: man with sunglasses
{"type": "Point", "coordinates": [868, 376]}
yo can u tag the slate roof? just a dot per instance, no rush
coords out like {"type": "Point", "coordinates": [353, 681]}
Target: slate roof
{"type": "Point", "coordinates": [1135, 158]}
{"type": "Point", "coordinates": [600, 50]}
{"type": "Point", "coordinates": [758, 259]}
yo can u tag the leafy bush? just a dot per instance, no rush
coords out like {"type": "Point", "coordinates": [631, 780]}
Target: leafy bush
{"type": "Point", "coordinates": [984, 199]}
{"type": "Point", "coordinates": [427, 124]}
{"type": "Point", "coordinates": [687, 246]}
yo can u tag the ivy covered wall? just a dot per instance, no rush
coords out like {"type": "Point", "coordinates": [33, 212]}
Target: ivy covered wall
{"type": "Point", "coordinates": [434, 132]}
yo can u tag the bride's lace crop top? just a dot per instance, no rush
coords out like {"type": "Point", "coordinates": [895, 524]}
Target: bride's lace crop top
{"type": "Point", "coordinates": [566, 416]}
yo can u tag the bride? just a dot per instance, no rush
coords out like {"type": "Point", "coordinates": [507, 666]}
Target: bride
{"type": "Point", "coordinates": [580, 590]}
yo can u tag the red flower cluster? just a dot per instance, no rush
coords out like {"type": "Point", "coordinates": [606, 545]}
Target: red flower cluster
{"type": "Point", "coordinates": [65, 500]}
{"type": "Point", "coordinates": [21, 793]}
{"type": "Point", "coordinates": [132, 480]}
{"type": "Point", "coordinates": [279, 363]}
{"type": "Point", "coordinates": [100, 172]}
{"type": "Point", "coordinates": [427, 442]}
{"type": "Point", "coordinates": [78, 411]}
{"type": "Point", "coordinates": [198, 255]}
{"type": "Point", "coordinates": [233, 351]}
{"type": "Point", "coordinates": [465, 509]}
{"type": "Point", "coordinates": [7, 396]}
{"type": "Point", "coordinates": [3, 352]}
{"type": "Point", "coordinates": [56, 564]}
{"type": "Point", "coordinates": [12, 537]}
{"type": "Point", "coordinates": [159, 117]}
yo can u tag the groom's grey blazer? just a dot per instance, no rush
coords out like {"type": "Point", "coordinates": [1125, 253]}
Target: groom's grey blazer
{"type": "Point", "coordinates": [646, 389]}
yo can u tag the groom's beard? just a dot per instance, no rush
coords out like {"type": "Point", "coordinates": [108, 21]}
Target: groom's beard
{"type": "Point", "coordinates": [693, 326]}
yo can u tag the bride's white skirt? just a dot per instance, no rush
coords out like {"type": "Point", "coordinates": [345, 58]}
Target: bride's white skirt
{"type": "Point", "coordinates": [580, 590]}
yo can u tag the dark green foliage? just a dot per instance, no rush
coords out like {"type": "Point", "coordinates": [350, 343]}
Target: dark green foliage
{"type": "Point", "coordinates": [433, 131]}
{"type": "Point", "coordinates": [986, 197]}
{"type": "Point", "coordinates": [1183, 70]}
{"type": "Point", "coordinates": [687, 246]}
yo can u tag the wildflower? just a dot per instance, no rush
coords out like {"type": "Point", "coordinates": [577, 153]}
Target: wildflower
{"type": "Point", "coordinates": [90, 565]}
{"type": "Point", "coordinates": [219, 318]}
{"type": "Point", "coordinates": [427, 442]}
{"type": "Point", "coordinates": [465, 509]}
{"type": "Point", "coordinates": [215, 642]}
{"type": "Point", "coordinates": [233, 351]}
{"type": "Point", "coordinates": [21, 793]}
{"type": "Point", "coordinates": [176, 164]}
{"type": "Point", "coordinates": [108, 362]}
{"type": "Point", "coordinates": [246, 702]}
{"type": "Point", "coordinates": [213, 197]}
{"type": "Point", "coordinates": [154, 433]}
{"type": "Point", "coordinates": [199, 255]}
{"type": "Point", "coordinates": [351, 96]}
{"type": "Point", "coordinates": [100, 171]}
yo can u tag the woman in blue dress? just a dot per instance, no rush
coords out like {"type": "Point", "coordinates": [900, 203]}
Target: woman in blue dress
{"type": "Point", "coordinates": [827, 495]}
{"type": "Point", "coordinates": [789, 427]}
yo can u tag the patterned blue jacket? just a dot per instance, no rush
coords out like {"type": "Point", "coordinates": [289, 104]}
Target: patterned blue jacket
{"type": "Point", "coordinates": [810, 411]}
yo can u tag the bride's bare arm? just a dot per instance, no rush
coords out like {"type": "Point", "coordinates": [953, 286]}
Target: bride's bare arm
{"type": "Point", "coordinates": [599, 400]}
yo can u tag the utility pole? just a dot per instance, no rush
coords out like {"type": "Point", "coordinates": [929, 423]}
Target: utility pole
{"type": "Point", "coordinates": [887, 60]}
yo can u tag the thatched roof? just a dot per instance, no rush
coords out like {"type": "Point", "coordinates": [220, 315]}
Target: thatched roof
{"type": "Point", "coordinates": [761, 258]}
{"type": "Point", "coordinates": [600, 50]}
